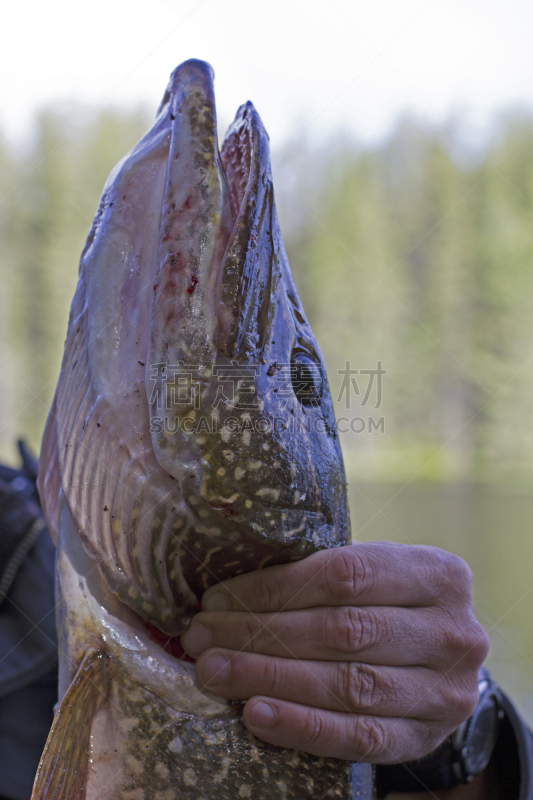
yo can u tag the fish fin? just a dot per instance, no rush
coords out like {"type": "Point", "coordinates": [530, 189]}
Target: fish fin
{"type": "Point", "coordinates": [49, 478]}
{"type": "Point", "coordinates": [62, 771]}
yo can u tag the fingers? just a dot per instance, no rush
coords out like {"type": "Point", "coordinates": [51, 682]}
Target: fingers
{"type": "Point", "coordinates": [369, 651]}
{"type": "Point", "coordinates": [351, 688]}
{"type": "Point", "coordinates": [334, 734]}
{"type": "Point", "coordinates": [360, 574]}
{"type": "Point", "coordinates": [373, 634]}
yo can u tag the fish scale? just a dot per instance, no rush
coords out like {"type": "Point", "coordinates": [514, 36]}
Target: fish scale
{"type": "Point", "coordinates": [153, 494]}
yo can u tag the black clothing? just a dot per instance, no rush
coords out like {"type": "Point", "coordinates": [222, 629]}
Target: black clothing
{"type": "Point", "coordinates": [28, 641]}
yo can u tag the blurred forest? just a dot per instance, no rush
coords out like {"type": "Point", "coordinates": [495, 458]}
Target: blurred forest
{"type": "Point", "coordinates": [405, 253]}
{"type": "Point", "coordinates": [408, 253]}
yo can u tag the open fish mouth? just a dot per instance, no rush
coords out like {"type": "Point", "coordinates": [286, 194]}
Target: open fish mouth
{"type": "Point", "coordinates": [212, 265]}
{"type": "Point", "coordinates": [192, 433]}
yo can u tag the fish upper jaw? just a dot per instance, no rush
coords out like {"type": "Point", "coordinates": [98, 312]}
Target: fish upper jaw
{"type": "Point", "coordinates": [219, 236]}
{"type": "Point", "coordinates": [196, 221]}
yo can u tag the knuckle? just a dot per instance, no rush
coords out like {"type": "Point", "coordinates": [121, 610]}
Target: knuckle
{"type": "Point", "coordinates": [313, 728]}
{"type": "Point", "coordinates": [479, 644]}
{"type": "Point", "coordinates": [455, 641]}
{"type": "Point", "coordinates": [425, 738]}
{"type": "Point", "coordinates": [410, 740]}
{"type": "Point", "coordinates": [350, 629]}
{"type": "Point", "coordinates": [371, 737]}
{"type": "Point", "coordinates": [255, 635]}
{"type": "Point", "coordinates": [455, 576]}
{"type": "Point", "coordinates": [249, 633]}
{"type": "Point", "coordinates": [457, 646]}
{"type": "Point", "coordinates": [457, 700]}
{"type": "Point", "coordinates": [365, 629]}
{"type": "Point", "coordinates": [268, 591]}
{"type": "Point", "coordinates": [359, 686]}
{"type": "Point", "coordinates": [466, 643]}
{"type": "Point", "coordinates": [275, 675]}
{"type": "Point", "coordinates": [429, 570]}
{"type": "Point", "coordinates": [445, 574]}
{"type": "Point", "coordinates": [348, 573]}
{"type": "Point", "coordinates": [457, 570]}
{"type": "Point", "coordinates": [466, 702]}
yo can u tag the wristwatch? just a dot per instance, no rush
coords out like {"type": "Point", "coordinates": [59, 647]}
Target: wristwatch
{"type": "Point", "coordinates": [460, 757]}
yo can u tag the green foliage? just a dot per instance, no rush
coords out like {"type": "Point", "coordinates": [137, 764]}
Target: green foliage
{"type": "Point", "coordinates": [402, 253]}
{"type": "Point", "coordinates": [412, 258]}
{"type": "Point", "coordinates": [48, 197]}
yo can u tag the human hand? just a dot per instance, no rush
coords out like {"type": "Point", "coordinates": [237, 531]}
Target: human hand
{"type": "Point", "coordinates": [369, 651]}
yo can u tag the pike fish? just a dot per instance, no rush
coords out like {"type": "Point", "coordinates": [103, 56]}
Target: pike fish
{"type": "Point", "coordinates": [191, 439]}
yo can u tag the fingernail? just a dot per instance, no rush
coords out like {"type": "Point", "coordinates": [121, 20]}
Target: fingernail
{"type": "Point", "coordinates": [197, 639]}
{"type": "Point", "coordinates": [216, 669]}
{"type": "Point", "coordinates": [216, 601]}
{"type": "Point", "coordinates": [263, 715]}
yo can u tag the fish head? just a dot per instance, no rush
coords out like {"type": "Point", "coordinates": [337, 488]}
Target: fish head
{"type": "Point", "coordinates": [193, 432]}
{"type": "Point", "coordinates": [237, 382]}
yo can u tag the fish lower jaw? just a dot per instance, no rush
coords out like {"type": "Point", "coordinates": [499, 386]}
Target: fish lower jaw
{"type": "Point", "coordinates": [91, 616]}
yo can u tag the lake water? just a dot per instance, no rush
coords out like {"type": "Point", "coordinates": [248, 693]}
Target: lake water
{"type": "Point", "coordinates": [491, 527]}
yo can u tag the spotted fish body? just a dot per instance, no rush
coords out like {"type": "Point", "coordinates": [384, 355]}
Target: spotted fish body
{"type": "Point", "coordinates": [191, 439]}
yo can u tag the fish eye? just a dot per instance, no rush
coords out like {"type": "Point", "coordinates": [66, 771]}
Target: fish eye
{"type": "Point", "coordinates": [307, 379]}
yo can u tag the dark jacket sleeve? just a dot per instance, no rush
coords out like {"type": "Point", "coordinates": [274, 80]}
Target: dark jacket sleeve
{"type": "Point", "coordinates": [28, 642]}
{"type": "Point", "coordinates": [512, 761]}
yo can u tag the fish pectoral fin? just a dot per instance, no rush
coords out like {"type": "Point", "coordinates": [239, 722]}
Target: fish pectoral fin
{"type": "Point", "coordinates": [62, 770]}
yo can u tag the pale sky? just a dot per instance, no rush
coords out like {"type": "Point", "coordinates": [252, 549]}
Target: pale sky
{"type": "Point", "coordinates": [318, 65]}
